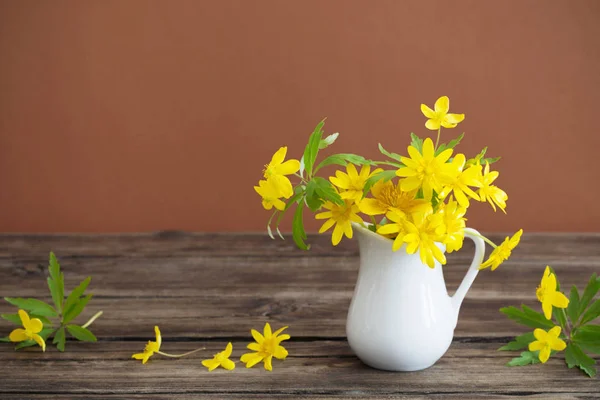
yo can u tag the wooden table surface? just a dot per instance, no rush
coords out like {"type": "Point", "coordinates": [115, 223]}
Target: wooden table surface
{"type": "Point", "coordinates": [209, 289]}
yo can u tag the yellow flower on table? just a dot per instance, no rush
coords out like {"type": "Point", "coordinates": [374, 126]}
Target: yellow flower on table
{"type": "Point", "coordinates": [33, 326]}
{"type": "Point", "coordinates": [221, 359]}
{"type": "Point", "coordinates": [426, 170]}
{"type": "Point", "coordinates": [423, 234]}
{"type": "Point", "coordinates": [459, 183]}
{"type": "Point", "coordinates": [341, 216]}
{"type": "Point", "coordinates": [352, 182]}
{"type": "Point", "coordinates": [388, 196]}
{"type": "Point", "coordinates": [439, 116]}
{"type": "Point", "coordinates": [548, 295]}
{"type": "Point", "coordinates": [502, 252]}
{"type": "Point", "coordinates": [267, 346]}
{"type": "Point", "coordinates": [150, 349]}
{"type": "Point", "coordinates": [270, 194]}
{"type": "Point", "coordinates": [277, 170]}
{"type": "Point", "coordinates": [546, 342]}
{"type": "Point", "coordinates": [490, 193]}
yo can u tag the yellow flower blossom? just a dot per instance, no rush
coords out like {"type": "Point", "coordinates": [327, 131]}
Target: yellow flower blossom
{"type": "Point", "coordinates": [221, 359]}
{"type": "Point", "coordinates": [490, 193]}
{"type": "Point", "coordinates": [459, 183]}
{"type": "Point", "coordinates": [341, 216]}
{"type": "Point", "coordinates": [423, 234]}
{"type": "Point", "coordinates": [502, 252]}
{"type": "Point", "coordinates": [546, 342]}
{"type": "Point", "coordinates": [548, 295]}
{"type": "Point", "coordinates": [352, 182]}
{"type": "Point", "coordinates": [33, 326]}
{"type": "Point", "coordinates": [150, 349]}
{"type": "Point", "coordinates": [387, 196]}
{"type": "Point", "coordinates": [426, 170]}
{"type": "Point", "coordinates": [396, 227]}
{"type": "Point", "coordinates": [453, 215]}
{"type": "Point", "coordinates": [277, 169]}
{"type": "Point", "coordinates": [440, 116]}
{"type": "Point", "coordinates": [266, 347]}
{"type": "Point", "coordinates": [270, 194]}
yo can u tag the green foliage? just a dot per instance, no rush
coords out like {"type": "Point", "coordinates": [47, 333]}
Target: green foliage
{"type": "Point", "coordinates": [592, 313]}
{"type": "Point", "coordinates": [520, 342]}
{"type": "Point", "coordinates": [574, 302]}
{"type": "Point", "coordinates": [384, 176]}
{"type": "Point", "coordinates": [526, 358]}
{"type": "Point", "coordinates": [298, 232]}
{"type": "Point", "coordinates": [480, 159]}
{"type": "Point", "coordinates": [312, 148]}
{"type": "Point", "coordinates": [386, 153]}
{"type": "Point", "coordinates": [588, 337]}
{"type": "Point", "coordinates": [328, 141]}
{"type": "Point", "coordinates": [416, 142]}
{"type": "Point", "coordinates": [575, 357]}
{"type": "Point", "coordinates": [453, 143]}
{"type": "Point", "coordinates": [590, 291]}
{"type": "Point", "coordinates": [64, 310]}
{"type": "Point", "coordinates": [528, 317]}
{"type": "Point", "coordinates": [343, 159]}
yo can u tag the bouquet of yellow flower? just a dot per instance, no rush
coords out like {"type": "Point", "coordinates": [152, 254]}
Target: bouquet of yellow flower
{"type": "Point", "coordinates": [418, 200]}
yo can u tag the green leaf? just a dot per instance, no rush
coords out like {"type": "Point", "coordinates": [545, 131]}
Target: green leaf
{"type": "Point", "coordinates": [76, 309]}
{"type": "Point", "coordinates": [559, 316]}
{"type": "Point", "coordinates": [520, 342]}
{"type": "Point", "coordinates": [45, 333]}
{"type": "Point", "coordinates": [528, 317]}
{"type": "Point", "coordinates": [312, 198]}
{"type": "Point", "coordinates": [326, 191]}
{"type": "Point", "coordinates": [59, 339]}
{"type": "Point", "coordinates": [5, 339]}
{"type": "Point", "coordinates": [328, 141]}
{"type": "Point", "coordinates": [75, 295]}
{"type": "Point", "coordinates": [56, 283]}
{"type": "Point", "coordinates": [15, 319]}
{"type": "Point", "coordinates": [343, 159]}
{"type": "Point", "coordinates": [393, 156]}
{"type": "Point", "coordinates": [298, 233]}
{"type": "Point", "coordinates": [575, 357]}
{"type": "Point", "coordinates": [312, 148]}
{"type": "Point", "coordinates": [81, 333]}
{"type": "Point", "coordinates": [380, 176]}
{"type": "Point", "coordinates": [573, 308]}
{"type": "Point", "coordinates": [590, 291]}
{"type": "Point", "coordinates": [592, 313]}
{"type": "Point", "coordinates": [526, 358]}
{"type": "Point", "coordinates": [416, 142]}
{"type": "Point", "coordinates": [453, 143]}
{"type": "Point", "coordinates": [588, 337]}
{"type": "Point", "coordinates": [34, 306]}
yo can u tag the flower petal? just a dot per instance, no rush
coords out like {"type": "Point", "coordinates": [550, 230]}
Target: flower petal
{"type": "Point", "coordinates": [534, 346]}
{"type": "Point", "coordinates": [547, 308]}
{"type": "Point", "coordinates": [24, 318]}
{"type": "Point", "coordinates": [35, 325]}
{"type": "Point", "coordinates": [268, 364]}
{"type": "Point", "coordinates": [228, 365]}
{"type": "Point", "coordinates": [211, 364]}
{"type": "Point", "coordinates": [251, 359]}
{"type": "Point", "coordinates": [279, 156]}
{"type": "Point", "coordinates": [280, 353]}
{"type": "Point", "coordinates": [278, 331]}
{"type": "Point", "coordinates": [336, 237]}
{"type": "Point", "coordinates": [158, 337]}
{"type": "Point", "coordinates": [442, 105]}
{"type": "Point", "coordinates": [39, 340]}
{"type": "Point", "coordinates": [544, 354]}
{"type": "Point", "coordinates": [428, 149]}
{"type": "Point", "coordinates": [454, 118]}
{"type": "Point", "coordinates": [372, 207]}
{"type": "Point", "coordinates": [559, 300]}
{"type": "Point", "coordinates": [228, 350]}
{"type": "Point", "coordinates": [288, 167]}
{"type": "Point", "coordinates": [540, 334]}
{"type": "Point", "coordinates": [328, 224]}
{"type": "Point", "coordinates": [258, 337]}
{"type": "Point", "coordinates": [18, 335]}
{"type": "Point", "coordinates": [267, 331]}
{"type": "Point", "coordinates": [428, 112]}
{"type": "Point", "coordinates": [432, 124]}
{"type": "Point", "coordinates": [254, 346]}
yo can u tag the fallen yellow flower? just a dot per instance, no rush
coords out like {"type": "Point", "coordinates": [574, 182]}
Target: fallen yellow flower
{"type": "Point", "coordinates": [150, 349]}
{"type": "Point", "coordinates": [221, 359]}
{"type": "Point", "coordinates": [32, 326]}
{"type": "Point", "coordinates": [266, 347]}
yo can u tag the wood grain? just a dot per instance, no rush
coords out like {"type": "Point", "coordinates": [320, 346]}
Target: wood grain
{"type": "Point", "coordinates": [207, 289]}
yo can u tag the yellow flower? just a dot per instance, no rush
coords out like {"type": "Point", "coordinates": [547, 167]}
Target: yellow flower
{"type": "Point", "coordinates": [388, 197]}
{"type": "Point", "coordinates": [352, 182]}
{"type": "Point", "coordinates": [266, 347]}
{"type": "Point", "coordinates": [426, 171]}
{"type": "Point", "coordinates": [546, 342]}
{"type": "Point", "coordinates": [490, 193]}
{"type": "Point", "coordinates": [459, 183]}
{"type": "Point", "coordinates": [440, 116]}
{"type": "Point", "coordinates": [221, 359]}
{"type": "Point", "coordinates": [277, 169]}
{"type": "Point", "coordinates": [423, 234]}
{"type": "Point", "coordinates": [548, 295]}
{"type": "Point", "coordinates": [32, 326]}
{"type": "Point", "coordinates": [270, 194]}
{"type": "Point", "coordinates": [396, 227]}
{"type": "Point", "coordinates": [340, 216]}
{"type": "Point", "coordinates": [150, 349]}
{"type": "Point", "coordinates": [502, 252]}
{"type": "Point", "coordinates": [454, 221]}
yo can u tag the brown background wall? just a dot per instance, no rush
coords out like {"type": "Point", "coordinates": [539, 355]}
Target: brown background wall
{"type": "Point", "coordinates": [147, 115]}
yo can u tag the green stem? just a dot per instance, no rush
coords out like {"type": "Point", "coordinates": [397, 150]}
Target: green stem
{"type": "Point", "coordinates": [374, 221]}
{"type": "Point", "coordinates": [437, 141]}
{"type": "Point", "coordinates": [488, 241]}
{"type": "Point", "coordinates": [568, 327]}
{"type": "Point", "coordinates": [180, 355]}
{"type": "Point", "coordinates": [91, 321]}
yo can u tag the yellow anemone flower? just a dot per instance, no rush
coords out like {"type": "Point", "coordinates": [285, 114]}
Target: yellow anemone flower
{"type": "Point", "coordinates": [352, 183]}
{"type": "Point", "coordinates": [440, 116]}
{"type": "Point", "coordinates": [546, 342]}
{"type": "Point", "coordinates": [340, 216]}
{"type": "Point", "coordinates": [548, 295]}
{"type": "Point", "coordinates": [150, 349]}
{"type": "Point", "coordinates": [388, 196]}
{"type": "Point", "coordinates": [459, 183]}
{"type": "Point", "coordinates": [221, 359]}
{"type": "Point", "coordinates": [277, 169]}
{"type": "Point", "coordinates": [426, 170]}
{"type": "Point", "coordinates": [266, 347]}
{"type": "Point", "coordinates": [32, 326]}
{"type": "Point", "coordinates": [396, 227]}
{"type": "Point", "coordinates": [270, 194]}
{"type": "Point", "coordinates": [502, 252]}
{"type": "Point", "coordinates": [423, 234]}
{"type": "Point", "coordinates": [490, 193]}
{"type": "Point", "coordinates": [454, 220]}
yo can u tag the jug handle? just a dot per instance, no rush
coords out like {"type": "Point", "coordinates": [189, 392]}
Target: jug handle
{"type": "Point", "coordinates": [467, 281]}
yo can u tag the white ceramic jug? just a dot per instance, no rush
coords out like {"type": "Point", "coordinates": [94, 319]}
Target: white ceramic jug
{"type": "Point", "coordinates": [401, 317]}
